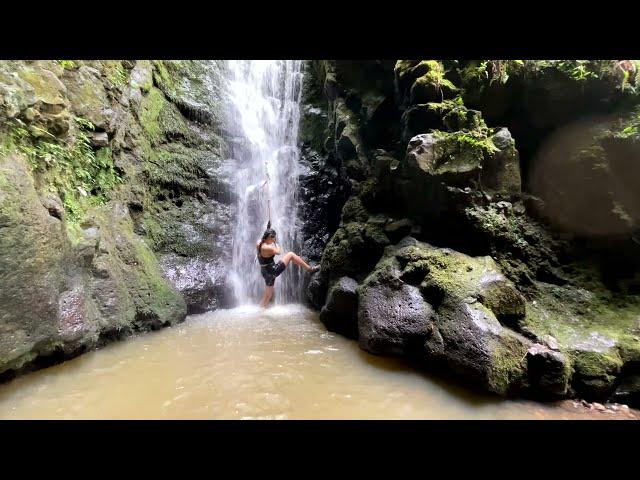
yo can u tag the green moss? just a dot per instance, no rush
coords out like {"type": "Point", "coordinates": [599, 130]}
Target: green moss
{"type": "Point", "coordinates": [173, 125]}
{"type": "Point", "coordinates": [177, 168]}
{"type": "Point", "coordinates": [164, 78]}
{"type": "Point", "coordinates": [476, 142]}
{"type": "Point", "coordinates": [150, 108]}
{"type": "Point", "coordinates": [508, 364]}
{"type": "Point", "coordinates": [157, 299]}
{"type": "Point", "coordinates": [354, 211]}
{"type": "Point", "coordinates": [67, 64]}
{"type": "Point", "coordinates": [594, 328]}
{"type": "Point", "coordinates": [452, 272]}
{"type": "Point", "coordinates": [604, 365]}
{"type": "Point", "coordinates": [135, 270]}
{"type": "Point", "coordinates": [47, 87]}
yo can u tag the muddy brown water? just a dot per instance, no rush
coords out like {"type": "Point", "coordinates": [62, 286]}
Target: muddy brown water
{"type": "Point", "coordinates": [250, 364]}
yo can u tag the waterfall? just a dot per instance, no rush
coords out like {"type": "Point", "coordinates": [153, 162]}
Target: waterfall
{"type": "Point", "coordinates": [262, 122]}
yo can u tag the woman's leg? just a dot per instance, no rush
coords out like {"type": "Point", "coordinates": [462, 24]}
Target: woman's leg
{"type": "Point", "coordinates": [292, 257]}
{"type": "Point", "coordinates": [268, 293]}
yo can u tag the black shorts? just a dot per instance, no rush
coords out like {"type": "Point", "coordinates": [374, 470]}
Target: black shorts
{"type": "Point", "coordinates": [271, 271]}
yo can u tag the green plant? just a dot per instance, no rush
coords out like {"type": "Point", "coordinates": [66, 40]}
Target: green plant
{"type": "Point", "coordinates": [579, 70]}
{"type": "Point", "coordinates": [81, 176]}
{"type": "Point", "coordinates": [117, 76]}
{"type": "Point", "coordinates": [67, 64]}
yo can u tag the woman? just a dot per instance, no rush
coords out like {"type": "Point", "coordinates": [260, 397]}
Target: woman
{"type": "Point", "coordinates": [267, 249]}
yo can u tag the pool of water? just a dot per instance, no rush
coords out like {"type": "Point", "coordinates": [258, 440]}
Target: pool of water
{"type": "Point", "coordinates": [247, 363]}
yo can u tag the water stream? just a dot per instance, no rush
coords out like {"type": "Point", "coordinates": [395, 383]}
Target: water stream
{"type": "Point", "coordinates": [263, 118]}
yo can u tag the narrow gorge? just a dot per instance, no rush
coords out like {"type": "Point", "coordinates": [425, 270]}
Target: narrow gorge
{"type": "Point", "coordinates": [476, 225]}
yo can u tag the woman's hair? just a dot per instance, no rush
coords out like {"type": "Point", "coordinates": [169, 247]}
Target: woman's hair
{"type": "Point", "coordinates": [269, 232]}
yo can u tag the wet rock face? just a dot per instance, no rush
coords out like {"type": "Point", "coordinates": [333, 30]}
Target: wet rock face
{"type": "Point", "coordinates": [58, 295]}
{"type": "Point", "coordinates": [323, 192]}
{"type": "Point", "coordinates": [31, 265]}
{"type": "Point", "coordinates": [340, 313]}
{"type": "Point", "coordinates": [393, 321]}
{"type": "Point", "coordinates": [89, 97]}
{"type": "Point", "coordinates": [549, 370]}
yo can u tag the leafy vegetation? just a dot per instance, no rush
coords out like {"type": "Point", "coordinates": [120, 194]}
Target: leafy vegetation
{"type": "Point", "coordinates": [80, 175]}
{"type": "Point", "coordinates": [67, 64]}
{"type": "Point", "coordinates": [117, 75]}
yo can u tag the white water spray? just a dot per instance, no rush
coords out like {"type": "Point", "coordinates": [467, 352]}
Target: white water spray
{"type": "Point", "coordinates": [263, 121]}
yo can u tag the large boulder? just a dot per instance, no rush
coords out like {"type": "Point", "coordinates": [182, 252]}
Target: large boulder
{"type": "Point", "coordinates": [16, 95]}
{"type": "Point", "coordinates": [393, 321]}
{"type": "Point", "coordinates": [595, 335]}
{"type": "Point", "coordinates": [549, 371]}
{"type": "Point", "coordinates": [465, 160]}
{"type": "Point", "coordinates": [425, 300]}
{"type": "Point", "coordinates": [340, 312]}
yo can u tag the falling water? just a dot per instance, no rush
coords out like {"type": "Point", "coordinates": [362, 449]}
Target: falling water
{"type": "Point", "coordinates": [263, 122]}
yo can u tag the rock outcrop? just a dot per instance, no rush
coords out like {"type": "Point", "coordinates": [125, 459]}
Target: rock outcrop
{"type": "Point", "coordinates": [112, 199]}
{"type": "Point", "coordinates": [521, 280]}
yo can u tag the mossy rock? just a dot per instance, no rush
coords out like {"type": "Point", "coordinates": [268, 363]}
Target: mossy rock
{"type": "Point", "coordinates": [32, 253]}
{"type": "Point", "coordinates": [88, 96]}
{"type": "Point", "coordinates": [423, 81]}
{"type": "Point", "coordinates": [458, 331]}
{"type": "Point", "coordinates": [353, 249]}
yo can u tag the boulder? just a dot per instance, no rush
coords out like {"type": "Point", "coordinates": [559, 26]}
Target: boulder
{"type": "Point", "coordinates": [423, 300]}
{"type": "Point", "coordinates": [549, 371]}
{"type": "Point", "coordinates": [340, 312]}
{"type": "Point", "coordinates": [394, 321]}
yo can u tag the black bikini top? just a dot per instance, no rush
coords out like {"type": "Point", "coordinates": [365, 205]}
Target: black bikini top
{"type": "Point", "coordinates": [262, 260]}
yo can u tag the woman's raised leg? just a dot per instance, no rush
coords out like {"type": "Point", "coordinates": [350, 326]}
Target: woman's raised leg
{"type": "Point", "coordinates": [292, 257]}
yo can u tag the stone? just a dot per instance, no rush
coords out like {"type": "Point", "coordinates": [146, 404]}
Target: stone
{"type": "Point", "coordinates": [16, 95]}
{"type": "Point", "coordinates": [398, 229]}
{"type": "Point", "coordinates": [89, 97]}
{"type": "Point", "coordinates": [100, 139]}
{"type": "Point", "coordinates": [628, 391]}
{"type": "Point", "coordinates": [393, 321]}
{"type": "Point", "coordinates": [32, 247]}
{"type": "Point", "coordinates": [549, 371]}
{"type": "Point", "coordinates": [501, 170]}
{"type": "Point", "coordinates": [340, 312]}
